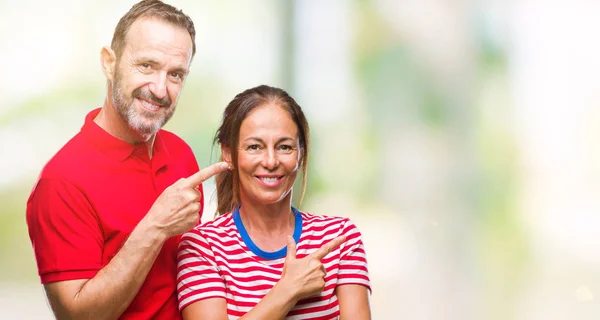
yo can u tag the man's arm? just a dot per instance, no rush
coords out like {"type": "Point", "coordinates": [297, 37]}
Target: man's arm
{"type": "Point", "coordinates": [108, 294]}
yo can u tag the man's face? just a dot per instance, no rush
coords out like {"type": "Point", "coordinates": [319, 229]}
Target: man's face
{"type": "Point", "coordinates": [150, 73]}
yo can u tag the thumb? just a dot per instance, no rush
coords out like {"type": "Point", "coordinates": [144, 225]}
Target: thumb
{"type": "Point", "coordinates": [291, 249]}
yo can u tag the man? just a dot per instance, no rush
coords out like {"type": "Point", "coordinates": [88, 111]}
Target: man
{"type": "Point", "coordinates": [106, 213]}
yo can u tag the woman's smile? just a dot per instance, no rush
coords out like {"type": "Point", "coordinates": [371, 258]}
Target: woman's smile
{"type": "Point", "coordinates": [269, 180]}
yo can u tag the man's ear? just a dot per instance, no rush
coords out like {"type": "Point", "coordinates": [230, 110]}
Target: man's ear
{"type": "Point", "coordinates": [108, 59]}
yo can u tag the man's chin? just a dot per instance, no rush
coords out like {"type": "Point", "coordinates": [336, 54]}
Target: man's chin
{"type": "Point", "coordinates": [145, 129]}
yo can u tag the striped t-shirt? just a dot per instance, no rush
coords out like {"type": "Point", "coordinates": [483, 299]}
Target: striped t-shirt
{"type": "Point", "coordinates": [218, 259]}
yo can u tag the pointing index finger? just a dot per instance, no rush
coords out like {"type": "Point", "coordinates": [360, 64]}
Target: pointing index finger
{"type": "Point", "coordinates": [328, 247]}
{"type": "Point", "coordinates": [197, 178]}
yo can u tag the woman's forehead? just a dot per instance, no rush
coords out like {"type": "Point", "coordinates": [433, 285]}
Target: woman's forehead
{"type": "Point", "coordinates": [268, 119]}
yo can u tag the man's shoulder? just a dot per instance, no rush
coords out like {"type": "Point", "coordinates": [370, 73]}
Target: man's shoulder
{"type": "Point", "coordinates": [68, 159]}
{"type": "Point", "coordinates": [66, 165]}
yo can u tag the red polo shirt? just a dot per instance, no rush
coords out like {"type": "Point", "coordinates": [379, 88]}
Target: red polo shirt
{"type": "Point", "coordinates": [88, 199]}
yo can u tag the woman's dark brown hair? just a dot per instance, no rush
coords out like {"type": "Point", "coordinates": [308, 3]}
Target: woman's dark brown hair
{"type": "Point", "coordinates": [229, 132]}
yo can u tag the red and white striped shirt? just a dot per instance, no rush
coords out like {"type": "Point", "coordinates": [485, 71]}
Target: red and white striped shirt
{"type": "Point", "coordinates": [218, 259]}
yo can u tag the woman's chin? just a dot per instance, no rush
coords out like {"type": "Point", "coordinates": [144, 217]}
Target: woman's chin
{"type": "Point", "coordinates": [270, 198]}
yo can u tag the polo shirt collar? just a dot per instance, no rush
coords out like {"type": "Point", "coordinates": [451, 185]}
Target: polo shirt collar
{"type": "Point", "coordinates": [117, 148]}
{"type": "Point", "coordinates": [160, 154]}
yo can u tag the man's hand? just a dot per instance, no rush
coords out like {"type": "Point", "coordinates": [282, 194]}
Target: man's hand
{"type": "Point", "coordinates": [306, 277]}
{"type": "Point", "coordinates": [175, 211]}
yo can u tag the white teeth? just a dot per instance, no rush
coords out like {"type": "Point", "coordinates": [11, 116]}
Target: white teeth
{"type": "Point", "coordinates": [149, 105]}
{"type": "Point", "coordinates": [268, 179]}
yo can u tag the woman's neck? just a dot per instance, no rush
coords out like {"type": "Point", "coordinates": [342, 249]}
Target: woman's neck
{"type": "Point", "coordinates": [268, 225]}
{"type": "Point", "coordinates": [270, 220]}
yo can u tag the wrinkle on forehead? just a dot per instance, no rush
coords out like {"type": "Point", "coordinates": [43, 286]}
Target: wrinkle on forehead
{"type": "Point", "coordinates": [269, 119]}
{"type": "Point", "coordinates": [154, 36]}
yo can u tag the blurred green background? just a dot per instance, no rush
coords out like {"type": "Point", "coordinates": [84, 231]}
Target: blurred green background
{"type": "Point", "coordinates": [460, 136]}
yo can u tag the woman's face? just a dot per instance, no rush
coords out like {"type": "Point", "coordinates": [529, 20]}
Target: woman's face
{"type": "Point", "coordinates": [268, 155]}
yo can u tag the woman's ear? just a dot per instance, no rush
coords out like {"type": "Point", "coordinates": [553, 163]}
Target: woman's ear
{"type": "Point", "coordinates": [226, 155]}
{"type": "Point", "coordinates": [300, 162]}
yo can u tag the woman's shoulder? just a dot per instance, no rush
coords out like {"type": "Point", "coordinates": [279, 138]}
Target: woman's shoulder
{"type": "Point", "coordinates": [219, 225]}
{"type": "Point", "coordinates": [209, 232]}
{"type": "Point", "coordinates": [321, 219]}
{"type": "Point", "coordinates": [222, 222]}
{"type": "Point", "coordinates": [326, 227]}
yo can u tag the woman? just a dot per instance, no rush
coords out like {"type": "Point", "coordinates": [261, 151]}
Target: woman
{"type": "Point", "coordinates": [262, 258]}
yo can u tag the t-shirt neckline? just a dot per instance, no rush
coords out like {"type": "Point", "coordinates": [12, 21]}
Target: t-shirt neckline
{"type": "Point", "coordinates": [258, 251]}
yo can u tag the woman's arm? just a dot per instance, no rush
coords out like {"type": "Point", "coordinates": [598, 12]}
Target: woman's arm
{"type": "Point", "coordinates": [275, 305]}
{"type": "Point", "coordinates": [354, 302]}
{"type": "Point", "coordinates": [207, 309]}
{"type": "Point", "coordinates": [353, 287]}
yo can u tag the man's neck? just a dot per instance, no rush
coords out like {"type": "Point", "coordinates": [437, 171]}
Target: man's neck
{"type": "Point", "coordinates": [109, 120]}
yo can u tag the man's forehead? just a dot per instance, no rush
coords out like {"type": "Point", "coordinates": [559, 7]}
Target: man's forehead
{"type": "Point", "coordinates": [152, 35]}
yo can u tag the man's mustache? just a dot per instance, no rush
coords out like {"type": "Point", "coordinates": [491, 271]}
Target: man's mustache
{"type": "Point", "coordinates": [145, 94]}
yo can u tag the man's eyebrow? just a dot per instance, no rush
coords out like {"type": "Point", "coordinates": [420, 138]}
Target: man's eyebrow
{"type": "Point", "coordinates": [154, 62]}
{"type": "Point", "coordinates": [144, 59]}
{"type": "Point", "coordinates": [181, 70]}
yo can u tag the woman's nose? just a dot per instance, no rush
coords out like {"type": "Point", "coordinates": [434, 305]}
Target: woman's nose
{"type": "Point", "coordinates": [270, 160]}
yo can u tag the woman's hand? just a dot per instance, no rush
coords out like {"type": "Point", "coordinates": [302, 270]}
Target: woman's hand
{"type": "Point", "coordinates": [305, 277]}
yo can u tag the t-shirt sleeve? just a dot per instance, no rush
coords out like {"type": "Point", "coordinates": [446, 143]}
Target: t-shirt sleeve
{"type": "Point", "coordinates": [64, 231]}
{"type": "Point", "coordinates": [353, 259]}
{"type": "Point", "coordinates": [198, 276]}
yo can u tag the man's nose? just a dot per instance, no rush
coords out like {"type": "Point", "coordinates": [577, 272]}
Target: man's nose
{"type": "Point", "coordinates": [158, 86]}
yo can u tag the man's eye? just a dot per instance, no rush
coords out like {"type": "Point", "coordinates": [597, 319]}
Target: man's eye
{"type": "Point", "coordinates": [145, 65]}
{"type": "Point", "coordinates": [177, 75]}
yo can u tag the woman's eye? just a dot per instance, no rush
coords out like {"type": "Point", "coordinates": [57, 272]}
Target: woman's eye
{"type": "Point", "coordinates": [285, 148]}
{"type": "Point", "coordinates": [145, 65]}
{"type": "Point", "coordinates": [253, 147]}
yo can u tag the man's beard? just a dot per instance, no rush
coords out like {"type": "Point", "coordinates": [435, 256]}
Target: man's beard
{"type": "Point", "coordinates": [143, 121]}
